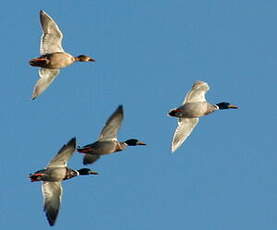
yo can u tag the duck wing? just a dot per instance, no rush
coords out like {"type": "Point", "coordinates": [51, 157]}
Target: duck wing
{"type": "Point", "coordinates": [109, 132]}
{"type": "Point", "coordinates": [64, 154]}
{"type": "Point", "coordinates": [52, 195]}
{"type": "Point", "coordinates": [51, 39]}
{"type": "Point", "coordinates": [47, 76]}
{"type": "Point", "coordinates": [89, 158]}
{"type": "Point", "coordinates": [197, 92]}
{"type": "Point", "coordinates": [183, 130]}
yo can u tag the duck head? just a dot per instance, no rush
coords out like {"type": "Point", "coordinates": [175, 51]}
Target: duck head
{"type": "Point", "coordinates": [84, 58]}
{"type": "Point", "coordinates": [86, 171]}
{"type": "Point", "coordinates": [226, 105]}
{"type": "Point", "coordinates": [134, 142]}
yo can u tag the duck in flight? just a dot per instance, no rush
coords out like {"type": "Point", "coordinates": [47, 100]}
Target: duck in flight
{"type": "Point", "coordinates": [52, 176]}
{"type": "Point", "coordinates": [107, 142]}
{"type": "Point", "coordinates": [53, 58]}
{"type": "Point", "coordinates": [193, 107]}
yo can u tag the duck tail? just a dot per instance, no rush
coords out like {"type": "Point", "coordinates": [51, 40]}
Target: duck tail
{"type": "Point", "coordinates": [35, 177]}
{"type": "Point", "coordinates": [38, 62]}
{"type": "Point", "coordinates": [174, 112]}
{"type": "Point", "coordinates": [84, 149]}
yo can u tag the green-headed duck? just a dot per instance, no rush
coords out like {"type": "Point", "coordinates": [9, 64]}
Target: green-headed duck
{"type": "Point", "coordinates": [52, 176]}
{"type": "Point", "coordinates": [193, 107]}
{"type": "Point", "coordinates": [107, 142]}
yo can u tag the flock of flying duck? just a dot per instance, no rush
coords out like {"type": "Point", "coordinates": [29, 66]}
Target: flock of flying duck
{"type": "Point", "coordinates": [52, 59]}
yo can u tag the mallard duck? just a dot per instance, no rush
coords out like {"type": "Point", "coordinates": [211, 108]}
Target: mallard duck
{"type": "Point", "coordinates": [107, 142]}
{"type": "Point", "coordinates": [53, 57]}
{"type": "Point", "coordinates": [52, 176]}
{"type": "Point", "coordinates": [193, 107]}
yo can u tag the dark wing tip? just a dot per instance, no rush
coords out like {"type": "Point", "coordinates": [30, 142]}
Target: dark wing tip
{"type": "Point", "coordinates": [89, 158]}
{"type": "Point", "coordinates": [42, 13]}
{"type": "Point", "coordinates": [120, 109]}
{"type": "Point", "coordinates": [34, 96]}
{"type": "Point", "coordinates": [51, 217]}
{"type": "Point", "coordinates": [85, 161]}
{"type": "Point", "coordinates": [72, 142]}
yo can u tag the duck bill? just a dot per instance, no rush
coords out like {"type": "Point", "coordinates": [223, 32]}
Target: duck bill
{"type": "Point", "coordinates": [93, 173]}
{"type": "Point", "coordinates": [140, 143]}
{"type": "Point", "coordinates": [233, 107]}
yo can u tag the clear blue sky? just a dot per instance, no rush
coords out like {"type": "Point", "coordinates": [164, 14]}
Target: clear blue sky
{"type": "Point", "coordinates": [148, 54]}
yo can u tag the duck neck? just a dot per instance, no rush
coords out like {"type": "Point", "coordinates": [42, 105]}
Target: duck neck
{"type": "Point", "coordinates": [70, 173]}
{"type": "Point", "coordinates": [76, 59]}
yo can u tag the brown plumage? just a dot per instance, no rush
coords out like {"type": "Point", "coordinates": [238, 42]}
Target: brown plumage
{"type": "Point", "coordinates": [53, 58]}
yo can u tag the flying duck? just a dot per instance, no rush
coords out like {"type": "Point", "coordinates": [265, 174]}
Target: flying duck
{"type": "Point", "coordinates": [107, 142]}
{"type": "Point", "coordinates": [53, 57]}
{"type": "Point", "coordinates": [193, 107]}
{"type": "Point", "coordinates": [52, 176]}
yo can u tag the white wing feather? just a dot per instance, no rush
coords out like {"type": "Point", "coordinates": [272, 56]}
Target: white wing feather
{"type": "Point", "coordinates": [183, 130]}
{"type": "Point", "coordinates": [47, 76]}
{"type": "Point", "coordinates": [51, 38]}
{"type": "Point", "coordinates": [197, 92]}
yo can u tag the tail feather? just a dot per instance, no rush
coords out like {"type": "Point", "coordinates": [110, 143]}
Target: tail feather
{"type": "Point", "coordinates": [39, 62]}
{"type": "Point", "coordinates": [84, 149]}
{"type": "Point", "coordinates": [174, 112]}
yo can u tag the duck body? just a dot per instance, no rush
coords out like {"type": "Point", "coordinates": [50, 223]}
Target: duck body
{"type": "Point", "coordinates": [102, 147]}
{"type": "Point", "coordinates": [193, 107]}
{"type": "Point", "coordinates": [56, 60]}
{"type": "Point", "coordinates": [95, 150]}
{"type": "Point", "coordinates": [193, 110]}
{"type": "Point", "coordinates": [54, 174]}
{"type": "Point", "coordinates": [107, 142]}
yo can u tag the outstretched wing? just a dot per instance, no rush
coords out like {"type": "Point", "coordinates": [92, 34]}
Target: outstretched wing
{"type": "Point", "coordinates": [52, 195]}
{"type": "Point", "coordinates": [64, 154]}
{"type": "Point", "coordinates": [109, 132]}
{"type": "Point", "coordinates": [51, 39]}
{"type": "Point", "coordinates": [47, 76]}
{"type": "Point", "coordinates": [197, 92]}
{"type": "Point", "coordinates": [183, 130]}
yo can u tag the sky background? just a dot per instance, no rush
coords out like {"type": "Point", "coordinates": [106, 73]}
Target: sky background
{"type": "Point", "coordinates": [148, 54]}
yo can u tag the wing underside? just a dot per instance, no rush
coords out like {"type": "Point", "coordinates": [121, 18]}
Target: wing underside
{"type": "Point", "coordinates": [52, 194]}
{"type": "Point", "coordinates": [183, 130]}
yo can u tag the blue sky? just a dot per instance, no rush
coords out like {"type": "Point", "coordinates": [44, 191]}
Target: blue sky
{"type": "Point", "coordinates": [148, 54]}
